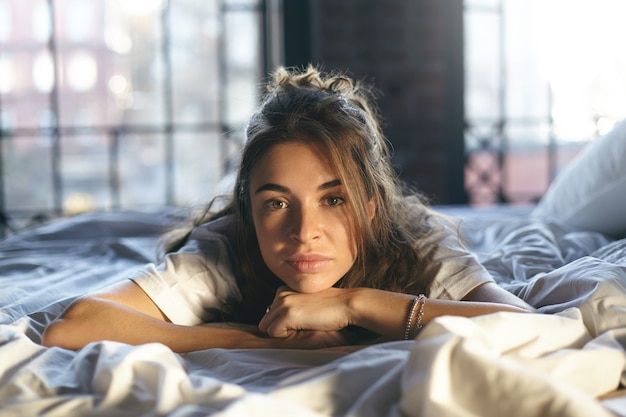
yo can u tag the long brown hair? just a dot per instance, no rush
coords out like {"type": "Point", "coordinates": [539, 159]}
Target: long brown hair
{"type": "Point", "coordinates": [337, 113]}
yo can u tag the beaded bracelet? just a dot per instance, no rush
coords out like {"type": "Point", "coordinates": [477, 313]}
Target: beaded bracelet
{"type": "Point", "coordinates": [409, 319]}
{"type": "Point", "coordinates": [420, 300]}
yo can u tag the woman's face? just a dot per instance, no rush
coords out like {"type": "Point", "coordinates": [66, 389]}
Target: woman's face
{"type": "Point", "coordinates": [299, 208]}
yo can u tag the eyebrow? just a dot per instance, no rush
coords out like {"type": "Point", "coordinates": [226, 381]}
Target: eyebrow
{"type": "Point", "coordinates": [275, 187]}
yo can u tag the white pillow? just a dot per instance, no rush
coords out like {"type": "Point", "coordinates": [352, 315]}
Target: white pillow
{"type": "Point", "coordinates": [590, 192]}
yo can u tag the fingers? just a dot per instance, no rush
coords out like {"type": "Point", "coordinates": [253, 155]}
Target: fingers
{"type": "Point", "coordinates": [311, 339]}
{"type": "Point", "coordinates": [273, 322]}
{"type": "Point", "coordinates": [292, 311]}
{"type": "Point", "coordinates": [267, 323]}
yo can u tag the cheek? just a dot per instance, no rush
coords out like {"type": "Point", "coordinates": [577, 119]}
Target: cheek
{"type": "Point", "coordinates": [351, 243]}
{"type": "Point", "coordinates": [350, 231]}
{"type": "Point", "coordinates": [345, 243]}
{"type": "Point", "coordinates": [267, 234]}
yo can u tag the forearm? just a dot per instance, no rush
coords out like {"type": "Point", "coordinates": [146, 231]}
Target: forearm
{"type": "Point", "coordinates": [93, 319]}
{"type": "Point", "coordinates": [386, 313]}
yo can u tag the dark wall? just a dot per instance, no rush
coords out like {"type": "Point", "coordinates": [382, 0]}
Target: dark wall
{"type": "Point", "coordinates": [412, 51]}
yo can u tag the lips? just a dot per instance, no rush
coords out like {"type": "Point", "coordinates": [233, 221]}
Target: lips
{"type": "Point", "coordinates": [308, 263]}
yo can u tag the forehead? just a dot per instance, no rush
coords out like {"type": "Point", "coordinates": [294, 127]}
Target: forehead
{"type": "Point", "coordinates": [294, 156]}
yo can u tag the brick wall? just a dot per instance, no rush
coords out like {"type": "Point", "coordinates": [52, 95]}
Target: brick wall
{"type": "Point", "coordinates": [412, 51]}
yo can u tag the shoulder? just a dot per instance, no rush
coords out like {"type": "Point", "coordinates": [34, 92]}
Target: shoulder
{"type": "Point", "coordinates": [440, 241]}
{"type": "Point", "coordinates": [196, 279]}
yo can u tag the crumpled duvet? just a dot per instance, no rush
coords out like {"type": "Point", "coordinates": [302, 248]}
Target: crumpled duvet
{"type": "Point", "coordinates": [555, 363]}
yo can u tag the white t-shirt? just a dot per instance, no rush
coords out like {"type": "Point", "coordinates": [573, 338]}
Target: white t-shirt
{"type": "Point", "coordinates": [193, 284]}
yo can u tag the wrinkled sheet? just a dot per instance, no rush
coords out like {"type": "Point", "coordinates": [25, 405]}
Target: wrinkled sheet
{"type": "Point", "coordinates": [556, 362]}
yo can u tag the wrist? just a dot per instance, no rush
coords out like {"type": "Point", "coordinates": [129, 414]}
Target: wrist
{"type": "Point", "coordinates": [355, 304]}
{"type": "Point", "coordinates": [383, 312]}
{"type": "Point", "coordinates": [414, 319]}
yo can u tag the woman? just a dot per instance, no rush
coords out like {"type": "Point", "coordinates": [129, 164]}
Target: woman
{"type": "Point", "coordinates": [317, 239]}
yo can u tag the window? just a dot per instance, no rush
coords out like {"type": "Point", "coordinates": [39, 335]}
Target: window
{"type": "Point", "coordinates": [543, 77]}
{"type": "Point", "coordinates": [113, 104]}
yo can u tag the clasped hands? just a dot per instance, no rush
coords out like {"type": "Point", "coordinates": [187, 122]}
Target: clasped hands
{"type": "Point", "coordinates": [325, 313]}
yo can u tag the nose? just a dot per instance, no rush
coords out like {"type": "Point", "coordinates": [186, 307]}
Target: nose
{"type": "Point", "coordinates": [306, 225]}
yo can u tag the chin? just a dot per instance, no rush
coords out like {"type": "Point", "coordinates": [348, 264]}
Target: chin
{"type": "Point", "coordinates": [307, 287]}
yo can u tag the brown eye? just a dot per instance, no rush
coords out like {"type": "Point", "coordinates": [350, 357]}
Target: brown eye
{"type": "Point", "coordinates": [334, 201]}
{"type": "Point", "coordinates": [276, 205]}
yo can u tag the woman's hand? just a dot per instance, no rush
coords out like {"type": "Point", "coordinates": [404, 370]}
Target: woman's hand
{"type": "Point", "coordinates": [382, 312]}
{"type": "Point", "coordinates": [324, 311]}
{"type": "Point", "coordinates": [250, 337]}
{"type": "Point", "coordinates": [309, 339]}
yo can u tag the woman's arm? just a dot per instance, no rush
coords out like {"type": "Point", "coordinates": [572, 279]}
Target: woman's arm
{"type": "Point", "coordinates": [124, 313]}
{"type": "Point", "coordinates": [382, 312]}
{"type": "Point", "coordinates": [492, 292]}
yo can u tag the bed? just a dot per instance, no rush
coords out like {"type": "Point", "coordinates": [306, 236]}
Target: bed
{"type": "Point", "coordinates": [567, 360]}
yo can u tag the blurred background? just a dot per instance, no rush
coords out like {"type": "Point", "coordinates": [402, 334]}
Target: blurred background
{"type": "Point", "coordinates": [117, 104]}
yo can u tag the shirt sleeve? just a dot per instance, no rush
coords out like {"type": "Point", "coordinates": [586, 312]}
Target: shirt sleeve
{"type": "Point", "coordinates": [190, 286]}
{"type": "Point", "coordinates": [459, 270]}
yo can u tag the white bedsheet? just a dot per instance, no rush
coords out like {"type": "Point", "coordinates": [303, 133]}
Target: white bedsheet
{"type": "Point", "coordinates": [556, 363]}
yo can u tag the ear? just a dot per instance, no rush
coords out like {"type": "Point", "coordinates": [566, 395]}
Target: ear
{"type": "Point", "coordinates": [372, 205]}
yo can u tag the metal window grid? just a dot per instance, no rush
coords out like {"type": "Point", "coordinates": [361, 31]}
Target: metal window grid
{"type": "Point", "coordinates": [14, 219]}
